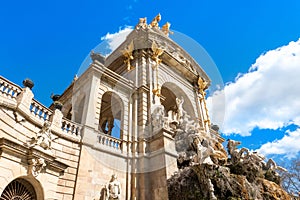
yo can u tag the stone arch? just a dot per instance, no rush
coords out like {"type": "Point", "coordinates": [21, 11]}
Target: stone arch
{"type": "Point", "coordinates": [170, 91]}
{"type": "Point", "coordinates": [181, 87]}
{"type": "Point", "coordinates": [111, 114]}
{"type": "Point", "coordinates": [23, 188]}
{"type": "Point", "coordinates": [77, 112]}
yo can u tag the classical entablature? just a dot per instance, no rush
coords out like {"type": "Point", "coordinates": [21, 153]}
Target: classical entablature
{"type": "Point", "coordinates": [173, 55]}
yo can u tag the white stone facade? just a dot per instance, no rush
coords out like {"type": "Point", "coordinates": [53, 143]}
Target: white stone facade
{"type": "Point", "coordinates": [106, 99]}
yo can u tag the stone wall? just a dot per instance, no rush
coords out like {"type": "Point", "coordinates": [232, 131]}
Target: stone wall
{"type": "Point", "coordinates": [21, 121]}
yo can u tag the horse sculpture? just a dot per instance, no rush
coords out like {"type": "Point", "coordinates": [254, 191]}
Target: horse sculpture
{"type": "Point", "coordinates": [244, 155]}
{"type": "Point", "coordinates": [236, 155]}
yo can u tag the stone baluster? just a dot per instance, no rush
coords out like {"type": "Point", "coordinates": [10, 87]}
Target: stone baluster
{"type": "Point", "coordinates": [110, 141]}
{"type": "Point", "coordinates": [70, 127]}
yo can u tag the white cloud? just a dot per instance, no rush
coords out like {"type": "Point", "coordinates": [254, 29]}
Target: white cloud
{"type": "Point", "coordinates": [267, 97]}
{"type": "Point", "coordinates": [115, 39]}
{"type": "Point", "coordinates": [288, 145]}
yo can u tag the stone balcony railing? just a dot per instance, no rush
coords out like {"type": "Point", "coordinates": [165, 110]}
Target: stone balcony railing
{"type": "Point", "coordinates": [39, 110]}
{"type": "Point", "coordinates": [21, 100]}
{"type": "Point", "coordinates": [8, 89]}
{"type": "Point", "coordinates": [110, 141]}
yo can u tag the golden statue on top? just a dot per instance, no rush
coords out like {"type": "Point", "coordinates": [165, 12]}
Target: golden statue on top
{"type": "Point", "coordinates": [142, 23]}
{"type": "Point", "coordinates": [154, 23]}
{"type": "Point", "coordinates": [166, 29]}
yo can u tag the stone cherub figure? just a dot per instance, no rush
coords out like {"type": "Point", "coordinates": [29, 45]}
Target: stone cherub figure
{"type": "Point", "coordinates": [180, 111]}
{"type": "Point", "coordinates": [43, 138]}
{"type": "Point", "coordinates": [38, 165]}
{"type": "Point", "coordinates": [114, 188]}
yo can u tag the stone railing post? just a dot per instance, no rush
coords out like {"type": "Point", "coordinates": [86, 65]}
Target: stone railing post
{"type": "Point", "coordinates": [56, 119]}
{"type": "Point", "coordinates": [24, 99]}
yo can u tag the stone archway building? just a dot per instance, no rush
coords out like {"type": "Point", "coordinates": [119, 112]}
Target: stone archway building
{"type": "Point", "coordinates": [140, 90]}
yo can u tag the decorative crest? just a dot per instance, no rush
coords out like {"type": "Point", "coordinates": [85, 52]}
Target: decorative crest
{"type": "Point", "coordinates": [157, 51]}
{"type": "Point", "coordinates": [127, 53]}
{"type": "Point", "coordinates": [202, 84]}
{"type": "Point", "coordinates": [36, 165]}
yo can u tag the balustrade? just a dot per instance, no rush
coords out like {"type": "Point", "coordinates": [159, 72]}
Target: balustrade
{"type": "Point", "coordinates": [110, 141]}
{"type": "Point", "coordinates": [9, 89]}
{"type": "Point", "coordinates": [70, 127]}
{"type": "Point", "coordinates": [40, 111]}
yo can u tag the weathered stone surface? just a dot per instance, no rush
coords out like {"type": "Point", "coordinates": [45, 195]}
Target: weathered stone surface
{"type": "Point", "coordinates": [193, 183]}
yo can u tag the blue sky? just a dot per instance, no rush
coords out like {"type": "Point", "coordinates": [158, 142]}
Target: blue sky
{"type": "Point", "coordinates": [47, 42]}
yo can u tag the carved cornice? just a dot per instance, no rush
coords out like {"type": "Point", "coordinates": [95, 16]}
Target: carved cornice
{"type": "Point", "coordinates": [21, 151]}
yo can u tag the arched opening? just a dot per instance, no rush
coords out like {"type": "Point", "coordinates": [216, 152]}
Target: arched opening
{"type": "Point", "coordinates": [171, 93]}
{"type": "Point", "coordinates": [19, 189]}
{"type": "Point", "coordinates": [78, 110]}
{"type": "Point", "coordinates": [111, 114]}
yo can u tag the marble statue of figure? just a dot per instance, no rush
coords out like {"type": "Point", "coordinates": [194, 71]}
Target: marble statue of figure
{"type": "Point", "coordinates": [114, 188]}
{"type": "Point", "coordinates": [180, 111]}
{"type": "Point", "coordinates": [43, 138]}
{"type": "Point", "coordinates": [104, 193]}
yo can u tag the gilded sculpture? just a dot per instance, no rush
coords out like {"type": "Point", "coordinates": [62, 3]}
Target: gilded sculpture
{"type": "Point", "coordinates": [127, 53]}
{"type": "Point", "coordinates": [166, 29]}
{"type": "Point", "coordinates": [142, 23]}
{"type": "Point", "coordinates": [154, 22]}
{"type": "Point", "coordinates": [157, 52]}
{"type": "Point", "coordinates": [202, 84]}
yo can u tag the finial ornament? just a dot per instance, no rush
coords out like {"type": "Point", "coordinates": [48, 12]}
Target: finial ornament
{"type": "Point", "coordinates": [154, 23]}
{"type": "Point", "coordinates": [142, 23]}
{"type": "Point", "coordinates": [166, 29]}
{"type": "Point", "coordinates": [127, 53]}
